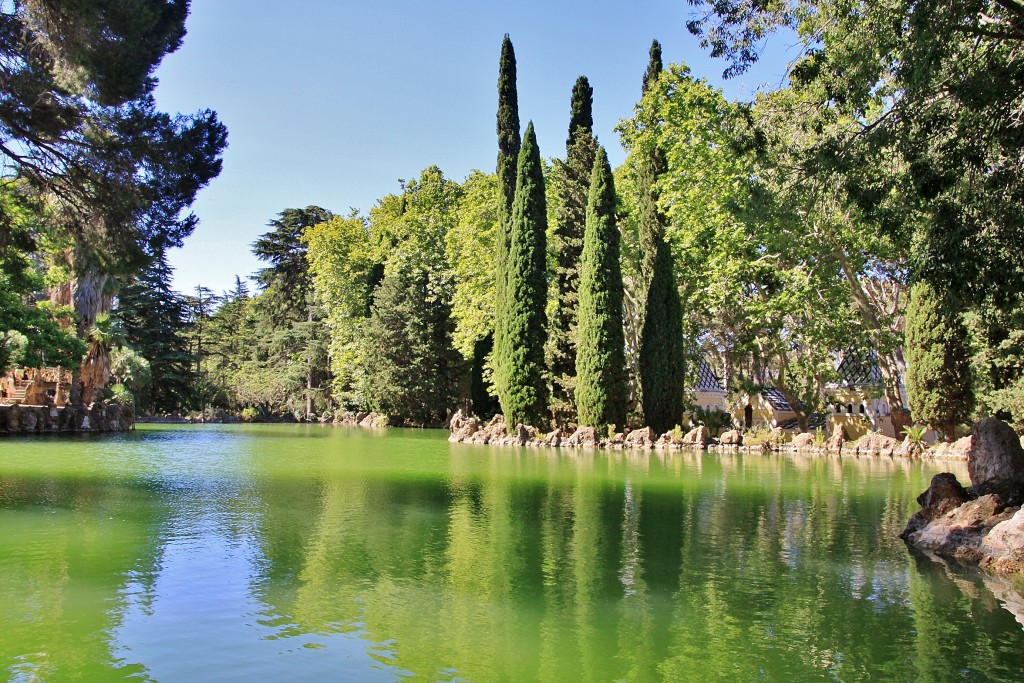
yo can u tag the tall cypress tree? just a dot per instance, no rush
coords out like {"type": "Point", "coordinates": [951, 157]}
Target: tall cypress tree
{"type": "Point", "coordinates": [938, 362]}
{"type": "Point", "coordinates": [601, 390]}
{"type": "Point", "coordinates": [661, 347]}
{"type": "Point", "coordinates": [572, 184]}
{"type": "Point", "coordinates": [654, 66]}
{"type": "Point", "coordinates": [652, 221]}
{"type": "Point", "coordinates": [508, 155]}
{"type": "Point", "coordinates": [522, 389]}
{"type": "Point", "coordinates": [661, 342]}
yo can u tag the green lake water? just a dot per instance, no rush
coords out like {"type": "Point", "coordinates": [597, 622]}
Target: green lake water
{"type": "Point", "coordinates": [308, 553]}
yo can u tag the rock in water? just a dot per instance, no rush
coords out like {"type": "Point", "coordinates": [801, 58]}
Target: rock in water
{"type": "Point", "coordinates": [944, 494]}
{"type": "Point", "coordinates": [981, 524]}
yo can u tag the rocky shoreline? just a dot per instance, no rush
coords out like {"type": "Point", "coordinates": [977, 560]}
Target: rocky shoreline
{"type": "Point", "coordinates": [96, 417]}
{"type": "Point", "coordinates": [983, 523]}
{"type": "Point", "coordinates": [469, 429]}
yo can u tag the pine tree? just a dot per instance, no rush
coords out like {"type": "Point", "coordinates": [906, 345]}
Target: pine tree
{"type": "Point", "coordinates": [938, 362]}
{"type": "Point", "coordinates": [572, 184]}
{"type": "Point", "coordinates": [601, 390]}
{"type": "Point", "coordinates": [661, 347]}
{"type": "Point", "coordinates": [410, 365]}
{"type": "Point", "coordinates": [153, 318]}
{"type": "Point", "coordinates": [509, 145]}
{"type": "Point", "coordinates": [522, 389]}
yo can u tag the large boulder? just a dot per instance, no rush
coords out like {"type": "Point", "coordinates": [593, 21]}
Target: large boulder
{"type": "Point", "coordinates": [641, 438]}
{"type": "Point", "coordinates": [803, 441]}
{"type": "Point", "coordinates": [586, 437]}
{"type": "Point", "coordinates": [555, 437]}
{"type": "Point", "coordinates": [698, 436]}
{"type": "Point", "coordinates": [837, 439]}
{"type": "Point", "coordinates": [494, 431]}
{"type": "Point", "coordinates": [959, 533]}
{"type": "Point", "coordinates": [874, 443]}
{"type": "Point", "coordinates": [995, 454]}
{"type": "Point", "coordinates": [731, 438]}
{"type": "Point", "coordinates": [958, 450]}
{"type": "Point", "coordinates": [1004, 545]}
{"type": "Point", "coordinates": [944, 494]}
{"type": "Point", "coordinates": [462, 426]}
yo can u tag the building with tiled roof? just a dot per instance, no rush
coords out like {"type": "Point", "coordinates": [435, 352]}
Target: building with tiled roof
{"type": "Point", "coordinates": [708, 392]}
{"type": "Point", "coordinates": [857, 401]}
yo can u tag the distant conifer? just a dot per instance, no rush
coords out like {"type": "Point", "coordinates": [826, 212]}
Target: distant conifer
{"type": "Point", "coordinates": [601, 390]}
{"type": "Point", "coordinates": [508, 155]}
{"type": "Point", "coordinates": [654, 66]}
{"type": "Point", "coordinates": [572, 184]}
{"type": "Point", "coordinates": [522, 389]}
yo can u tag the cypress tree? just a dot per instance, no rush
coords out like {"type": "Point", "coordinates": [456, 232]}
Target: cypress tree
{"type": "Point", "coordinates": [654, 66]}
{"type": "Point", "coordinates": [601, 390]}
{"type": "Point", "coordinates": [572, 184]}
{"type": "Point", "coordinates": [522, 389]}
{"type": "Point", "coordinates": [938, 362]}
{"type": "Point", "coordinates": [508, 156]}
{"type": "Point", "coordinates": [661, 347]}
{"type": "Point", "coordinates": [652, 223]}
{"type": "Point", "coordinates": [661, 341]}
{"type": "Point", "coordinates": [581, 113]}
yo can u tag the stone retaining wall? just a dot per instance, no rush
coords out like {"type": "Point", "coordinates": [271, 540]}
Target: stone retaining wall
{"type": "Point", "coordinates": [96, 417]}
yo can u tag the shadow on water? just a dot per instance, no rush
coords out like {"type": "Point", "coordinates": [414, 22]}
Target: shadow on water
{"type": "Point", "coordinates": [358, 555]}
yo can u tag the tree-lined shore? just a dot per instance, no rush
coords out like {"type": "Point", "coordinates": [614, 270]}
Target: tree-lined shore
{"type": "Point", "coordinates": [870, 204]}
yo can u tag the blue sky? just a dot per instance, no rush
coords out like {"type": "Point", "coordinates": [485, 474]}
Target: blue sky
{"type": "Point", "coordinates": [330, 103]}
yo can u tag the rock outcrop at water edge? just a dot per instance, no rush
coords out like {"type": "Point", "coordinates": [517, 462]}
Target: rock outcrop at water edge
{"type": "Point", "coordinates": [96, 417]}
{"type": "Point", "coordinates": [982, 524]}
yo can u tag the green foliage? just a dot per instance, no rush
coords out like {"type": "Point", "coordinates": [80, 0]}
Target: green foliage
{"type": "Point", "coordinates": [509, 144]}
{"type": "Point", "coordinates": [601, 384]}
{"type": "Point", "coordinates": [286, 280]}
{"type": "Point", "coordinates": [933, 88]}
{"type": "Point", "coordinates": [581, 114]}
{"type": "Point", "coordinates": [571, 183]}
{"type": "Point", "coordinates": [520, 381]}
{"type": "Point", "coordinates": [661, 347]}
{"type": "Point", "coordinates": [715, 419]}
{"type": "Point", "coordinates": [915, 433]}
{"type": "Point", "coordinates": [153, 320]}
{"type": "Point", "coordinates": [122, 394]}
{"type": "Point", "coordinates": [654, 66]}
{"type": "Point", "coordinates": [342, 257]}
{"type": "Point", "coordinates": [129, 369]}
{"type": "Point", "coordinates": [410, 366]}
{"type": "Point", "coordinates": [938, 361]}
{"type": "Point", "coordinates": [469, 246]}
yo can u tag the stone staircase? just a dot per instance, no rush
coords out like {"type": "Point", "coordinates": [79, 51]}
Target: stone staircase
{"type": "Point", "coordinates": [15, 396]}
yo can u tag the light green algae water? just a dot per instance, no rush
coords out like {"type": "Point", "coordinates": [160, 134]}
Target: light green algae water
{"type": "Point", "coordinates": [308, 553]}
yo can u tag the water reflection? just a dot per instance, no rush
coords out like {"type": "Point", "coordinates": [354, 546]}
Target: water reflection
{"type": "Point", "coordinates": [358, 557]}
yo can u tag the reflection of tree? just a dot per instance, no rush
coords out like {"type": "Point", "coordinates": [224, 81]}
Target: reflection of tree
{"type": "Point", "coordinates": [532, 565]}
{"type": "Point", "coordinates": [57, 569]}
